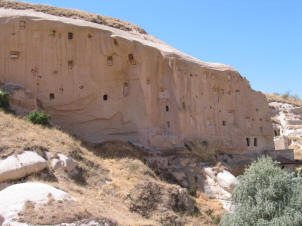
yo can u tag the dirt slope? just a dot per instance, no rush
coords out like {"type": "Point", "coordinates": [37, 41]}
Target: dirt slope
{"type": "Point", "coordinates": [112, 183]}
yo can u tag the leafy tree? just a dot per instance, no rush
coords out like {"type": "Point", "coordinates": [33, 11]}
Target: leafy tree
{"type": "Point", "coordinates": [38, 117]}
{"type": "Point", "coordinates": [266, 195]}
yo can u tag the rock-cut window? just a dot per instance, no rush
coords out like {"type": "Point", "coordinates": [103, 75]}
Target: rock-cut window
{"type": "Point", "coordinates": [248, 141]}
{"type": "Point", "coordinates": [109, 60]}
{"type": "Point", "coordinates": [70, 35]}
{"type": "Point", "coordinates": [51, 96]}
{"type": "Point", "coordinates": [131, 59]}
{"type": "Point", "coordinates": [255, 142]}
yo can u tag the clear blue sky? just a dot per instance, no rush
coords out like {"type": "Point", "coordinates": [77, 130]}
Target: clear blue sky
{"type": "Point", "coordinates": [262, 39]}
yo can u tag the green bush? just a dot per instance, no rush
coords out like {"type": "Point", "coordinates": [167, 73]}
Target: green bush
{"type": "Point", "coordinates": [266, 195]}
{"type": "Point", "coordinates": [38, 117]}
{"type": "Point", "coordinates": [4, 101]}
{"type": "Point", "coordinates": [286, 95]}
{"type": "Point", "coordinates": [215, 219]}
{"type": "Point", "coordinates": [191, 191]}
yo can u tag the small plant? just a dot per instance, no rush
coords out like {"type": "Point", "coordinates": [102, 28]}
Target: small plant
{"type": "Point", "coordinates": [134, 165]}
{"type": "Point", "coordinates": [4, 101]}
{"type": "Point", "coordinates": [215, 219]}
{"type": "Point", "coordinates": [191, 191]}
{"type": "Point", "coordinates": [38, 117]}
{"type": "Point", "coordinates": [285, 95]}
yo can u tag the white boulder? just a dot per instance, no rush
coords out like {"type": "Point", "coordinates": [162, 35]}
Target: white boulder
{"type": "Point", "coordinates": [13, 198]}
{"type": "Point", "coordinates": [219, 185]}
{"type": "Point", "coordinates": [18, 166]}
{"type": "Point", "coordinates": [62, 161]}
{"type": "Point", "coordinates": [226, 180]}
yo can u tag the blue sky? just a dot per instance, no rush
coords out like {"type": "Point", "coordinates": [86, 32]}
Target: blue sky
{"type": "Point", "coordinates": [262, 39]}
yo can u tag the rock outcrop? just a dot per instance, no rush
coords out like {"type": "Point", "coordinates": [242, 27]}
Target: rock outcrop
{"type": "Point", "coordinates": [18, 166]}
{"type": "Point", "coordinates": [14, 198]}
{"type": "Point", "coordinates": [103, 83]}
{"type": "Point", "coordinates": [287, 123]}
{"type": "Point", "coordinates": [63, 162]}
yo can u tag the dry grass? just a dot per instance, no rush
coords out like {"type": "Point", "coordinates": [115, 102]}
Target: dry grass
{"type": "Point", "coordinates": [289, 100]}
{"type": "Point", "coordinates": [17, 135]}
{"type": "Point", "coordinates": [107, 174]}
{"type": "Point", "coordinates": [53, 212]}
{"type": "Point", "coordinates": [297, 149]}
{"type": "Point", "coordinates": [75, 14]}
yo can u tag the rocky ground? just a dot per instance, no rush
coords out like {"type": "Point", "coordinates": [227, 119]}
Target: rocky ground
{"type": "Point", "coordinates": [50, 177]}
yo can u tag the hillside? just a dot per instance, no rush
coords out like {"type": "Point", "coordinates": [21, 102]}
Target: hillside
{"type": "Point", "coordinates": [111, 182]}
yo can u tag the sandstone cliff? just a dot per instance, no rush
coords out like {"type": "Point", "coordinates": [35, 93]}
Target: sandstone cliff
{"type": "Point", "coordinates": [103, 83]}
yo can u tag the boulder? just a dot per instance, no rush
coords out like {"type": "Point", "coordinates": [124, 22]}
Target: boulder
{"type": "Point", "coordinates": [13, 198]}
{"type": "Point", "coordinates": [18, 166]}
{"type": "Point", "coordinates": [224, 178]}
{"type": "Point", "coordinates": [219, 185]}
{"type": "Point", "coordinates": [64, 162]}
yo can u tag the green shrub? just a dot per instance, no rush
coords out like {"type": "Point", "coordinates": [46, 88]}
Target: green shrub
{"type": "Point", "coordinates": [215, 219]}
{"type": "Point", "coordinates": [266, 195]}
{"type": "Point", "coordinates": [38, 117]}
{"type": "Point", "coordinates": [285, 95]}
{"type": "Point", "coordinates": [4, 101]}
{"type": "Point", "coordinates": [191, 191]}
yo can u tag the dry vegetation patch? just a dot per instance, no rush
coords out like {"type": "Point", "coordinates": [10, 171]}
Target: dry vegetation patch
{"type": "Point", "coordinates": [290, 100]}
{"type": "Point", "coordinates": [108, 175]}
{"type": "Point", "coordinates": [75, 14]}
{"type": "Point", "coordinates": [53, 212]}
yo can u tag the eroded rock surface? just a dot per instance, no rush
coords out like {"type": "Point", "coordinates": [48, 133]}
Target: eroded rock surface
{"type": "Point", "coordinates": [18, 166]}
{"type": "Point", "coordinates": [103, 83]}
{"type": "Point", "coordinates": [287, 123]}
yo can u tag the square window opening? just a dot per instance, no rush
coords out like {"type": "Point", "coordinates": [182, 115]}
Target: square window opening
{"type": "Point", "coordinates": [51, 96]}
{"type": "Point", "coordinates": [70, 35]}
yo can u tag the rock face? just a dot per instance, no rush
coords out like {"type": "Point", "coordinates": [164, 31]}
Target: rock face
{"type": "Point", "coordinates": [287, 124]}
{"type": "Point", "coordinates": [16, 167]}
{"type": "Point", "coordinates": [13, 199]}
{"type": "Point", "coordinates": [103, 83]}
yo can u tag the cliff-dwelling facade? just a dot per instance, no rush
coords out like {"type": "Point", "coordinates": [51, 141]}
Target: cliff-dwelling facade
{"type": "Point", "coordinates": [102, 84]}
